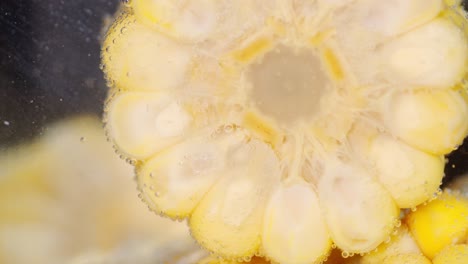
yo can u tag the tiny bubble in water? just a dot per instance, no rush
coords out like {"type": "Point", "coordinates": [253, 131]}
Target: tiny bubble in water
{"type": "Point", "coordinates": [126, 2]}
{"type": "Point", "coordinates": [247, 259]}
{"type": "Point", "coordinates": [6, 123]}
{"type": "Point", "coordinates": [228, 128]}
{"type": "Point", "coordinates": [388, 240]}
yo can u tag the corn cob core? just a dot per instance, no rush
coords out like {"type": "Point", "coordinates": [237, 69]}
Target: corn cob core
{"type": "Point", "coordinates": [280, 128]}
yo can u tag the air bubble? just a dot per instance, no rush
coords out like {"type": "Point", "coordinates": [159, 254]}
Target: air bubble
{"type": "Point", "coordinates": [247, 259]}
{"type": "Point", "coordinates": [345, 254]}
{"type": "Point", "coordinates": [228, 128]}
{"type": "Point", "coordinates": [388, 240]}
{"type": "Point", "coordinates": [126, 2]}
{"type": "Point", "coordinates": [131, 161]}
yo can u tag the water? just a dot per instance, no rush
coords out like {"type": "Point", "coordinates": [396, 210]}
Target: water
{"type": "Point", "coordinates": [50, 71]}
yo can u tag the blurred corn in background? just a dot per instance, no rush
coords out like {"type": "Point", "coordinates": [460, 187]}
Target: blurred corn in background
{"type": "Point", "coordinates": [68, 196]}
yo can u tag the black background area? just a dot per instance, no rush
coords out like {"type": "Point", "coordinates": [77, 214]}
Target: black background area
{"type": "Point", "coordinates": [49, 63]}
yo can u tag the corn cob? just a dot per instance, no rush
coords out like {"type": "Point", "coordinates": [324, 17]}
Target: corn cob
{"type": "Point", "coordinates": [283, 128]}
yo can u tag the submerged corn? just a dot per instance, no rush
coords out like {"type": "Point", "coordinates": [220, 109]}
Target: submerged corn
{"type": "Point", "coordinates": [66, 198]}
{"type": "Point", "coordinates": [436, 232]}
{"type": "Point", "coordinates": [280, 128]}
{"type": "Point", "coordinates": [442, 222]}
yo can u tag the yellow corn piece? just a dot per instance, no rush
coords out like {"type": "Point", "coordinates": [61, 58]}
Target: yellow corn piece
{"type": "Point", "coordinates": [433, 122]}
{"type": "Point", "coordinates": [453, 254]}
{"type": "Point", "coordinates": [410, 175]}
{"type": "Point", "coordinates": [440, 223]}
{"type": "Point", "coordinates": [407, 259]}
{"type": "Point", "coordinates": [215, 260]}
{"type": "Point", "coordinates": [400, 244]}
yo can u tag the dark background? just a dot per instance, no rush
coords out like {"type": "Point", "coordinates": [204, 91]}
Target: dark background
{"type": "Point", "coordinates": [49, 67]}
{"type": "Point", "coordinates": [49, 63]}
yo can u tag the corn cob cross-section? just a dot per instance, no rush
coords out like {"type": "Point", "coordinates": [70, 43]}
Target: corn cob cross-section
{"type": "Point", "coordinates": [280, 128]}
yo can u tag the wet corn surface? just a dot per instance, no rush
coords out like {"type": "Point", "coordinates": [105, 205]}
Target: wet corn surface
{"type": "Point", "coordinates": [435, 232]}
{"type": "Point", "coordinates": [286, 128]}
